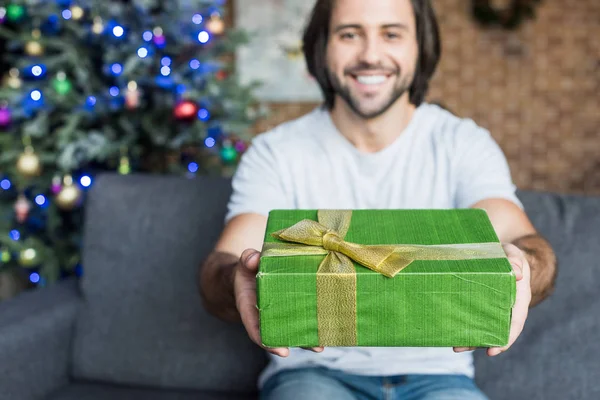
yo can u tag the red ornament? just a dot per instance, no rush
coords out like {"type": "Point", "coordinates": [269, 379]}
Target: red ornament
{"type": "Point", "coordinates": [220, 75]}
{"type": "Point", "coordinates": [185, 110]}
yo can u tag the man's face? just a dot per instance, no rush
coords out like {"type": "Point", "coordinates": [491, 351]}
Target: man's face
{"type": "Point", "coordinates": [372, 53]}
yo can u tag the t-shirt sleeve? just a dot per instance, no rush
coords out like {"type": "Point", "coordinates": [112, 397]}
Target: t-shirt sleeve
{"type": "Point", "coordinates": [257, 185]}
{"type": "Point", "coordinates": [482, 170]}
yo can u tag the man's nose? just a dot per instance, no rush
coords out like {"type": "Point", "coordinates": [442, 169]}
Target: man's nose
{"type": "Point", "coordinates": [371, 51]}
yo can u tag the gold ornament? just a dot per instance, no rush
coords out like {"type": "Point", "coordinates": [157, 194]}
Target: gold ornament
{"type": "Point", "coordinates": [22, 207]}
{"type": "Point", "coordinates": [69, 195]}
{"type": "Point", "coordinates": [98, 26]}
{"type": "Point", "coordinates": [29, 164]}
{"type": "Point", "coordinates": [76, 12]}
{"type": "Point", "coordinates": [28, 257]}
{"type": "Point", "coordinates": [13, 81]}
{"type": "Point", "coordinates": [215, 24]}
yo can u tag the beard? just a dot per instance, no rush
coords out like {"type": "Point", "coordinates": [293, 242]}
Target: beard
{"type": "Point", "coordinates": [401, 86]}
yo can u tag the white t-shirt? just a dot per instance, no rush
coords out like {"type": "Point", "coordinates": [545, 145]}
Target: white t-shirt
{"type": "Point", "coordinates": [439, 161]}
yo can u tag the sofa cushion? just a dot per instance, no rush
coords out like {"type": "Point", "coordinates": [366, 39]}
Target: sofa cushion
{"type": "Point", "coordinates": [143, 321]}
{"type": "Point", "coordinates": [93, 391]}
{"type": "Point", "coordinates": [556, 355]}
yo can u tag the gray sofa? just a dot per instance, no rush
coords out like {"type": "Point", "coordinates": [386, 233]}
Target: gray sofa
{"type": "Point", "coordinates": [133, 327]}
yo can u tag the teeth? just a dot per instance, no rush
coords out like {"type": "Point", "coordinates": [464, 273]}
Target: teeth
{"type": "Point", "coordinates": [371, 79]}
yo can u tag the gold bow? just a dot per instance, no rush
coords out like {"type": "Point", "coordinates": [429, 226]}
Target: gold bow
{"type": "Point", "coordinates": [336, 276]}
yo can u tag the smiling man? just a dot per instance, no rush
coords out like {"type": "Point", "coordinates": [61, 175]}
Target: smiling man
{"type": "Point", "coordinates": [374, 144]}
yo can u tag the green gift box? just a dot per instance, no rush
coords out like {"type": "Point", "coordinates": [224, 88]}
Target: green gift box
{"type": "Point", "coordinates": [417, 278]}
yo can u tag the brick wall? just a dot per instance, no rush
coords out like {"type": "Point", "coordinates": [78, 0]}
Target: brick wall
{"type": "Point", "coordinates": [536, 89]}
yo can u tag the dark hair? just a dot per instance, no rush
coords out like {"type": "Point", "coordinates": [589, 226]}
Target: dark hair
{"type": "Point", "coordinates": [316, 35]}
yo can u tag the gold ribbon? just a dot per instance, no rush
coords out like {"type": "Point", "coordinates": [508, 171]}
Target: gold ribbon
{"type": "Point", "coordinates": [336, 276]}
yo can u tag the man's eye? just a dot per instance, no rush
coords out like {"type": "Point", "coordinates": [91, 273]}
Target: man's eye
{"type": "Point", "coordinates": [348, 35]}
{"type": "Point", "coordinates": [392, 35]}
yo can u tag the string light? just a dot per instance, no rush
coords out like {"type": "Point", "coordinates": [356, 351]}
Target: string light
{"type": "Point", "coordinates": [36, 70]}
{"type": "Point", "coordinates": [203, 114]}
{"type": "Point", "coordinates": [36, 95]}
{"type": "Point", "coordinates": [85, 181]}
{"type": "Point", "coordinates": [34, 277]}
{"type": "Point", "coordinates": [165, 61]}
{"type": "Point", "coordinates": [142, 52]}
{"type": "Point", "coordinates": [118, 31]}
{"type": "Point", "coordinates": [114, 91]}
{"type": "Point", "coordinates": [203, 37]}
{"type": "Point", "coordinates": [14, 235]}
{"type": "Point", "coordinates": [40, 199]}
{"type": "Point", "coordinates": [165, 71]}
{"type": "Point", "coordinates": [147, 36]}
{"type": "Point", "coordinates": [194, 64]}
{"type": "Point", "coordinates": [5, 184]}
{"type": "Point", "coordinates": [116, 68]}
{"type": "Point", "coordinates": [209, 142]}
{"type": "Point", "coordinates": [197, 19]}
{"type": "Point", "coordinates": [91, 101]}
{"type": "Point", "coordinates": [193, 167]}
{"type": "Point", "coordinates": [66, 14]}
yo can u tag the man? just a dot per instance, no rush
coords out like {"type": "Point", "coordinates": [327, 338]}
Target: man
{"type": "Point", "coordinates": [373, 144]}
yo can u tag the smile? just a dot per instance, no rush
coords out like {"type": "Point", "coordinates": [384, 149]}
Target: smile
{"type": "Point", "coordinates": [371, 79]}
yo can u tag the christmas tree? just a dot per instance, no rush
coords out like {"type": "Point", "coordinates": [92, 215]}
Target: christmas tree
{"type": "Point", "coordinates": [92, 86]}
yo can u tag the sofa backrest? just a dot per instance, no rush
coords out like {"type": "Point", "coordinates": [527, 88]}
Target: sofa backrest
{"type": "Point", "coordinates": [556, 356]}
{"type": "Point", "coordinates": [143, 322]}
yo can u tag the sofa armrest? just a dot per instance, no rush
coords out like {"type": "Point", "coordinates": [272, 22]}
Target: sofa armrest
{"type": "Point", "coordinates": [36, 329]}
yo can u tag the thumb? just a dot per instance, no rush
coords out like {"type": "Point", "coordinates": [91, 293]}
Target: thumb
{"type": "Point", "coordinates": [250, 259]}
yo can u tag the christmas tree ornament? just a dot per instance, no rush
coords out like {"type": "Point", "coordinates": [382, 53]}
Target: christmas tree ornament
{"type": "Point", "coordinates": [22, 208]}
{"type": "Point", "coordinates": [220, 75]}
{"type": "Point", "coordinates": [33, 47]}
{"type": "Point", "coordinates": [124, 167]}
{"type": "Point", "coordinates": [5, 256]}
{"type": "Point", "coordinates": [61, 84]}
{"type": "Point", "coordinates": [28, 257]}
{"type": "Point", "coordinates": [76, 12]}
{"type": "Point", "coordinates": [228, 154]}
{"type": "Point", "coordinates": [215, 24]}
{"type": "Point", "coordinates": [29, 164]}
{"type": "Point", "coordinates": [13, 80]}
{"type": "Point", "coordinates": [5, 116]}
{"type": "Point", "coordinates": [69, 195]}
{"type": "Point", "coordinates": [98, 26]}
{"type": "Point", "coordinates": [14, 12]}
{"type": "Point", "coordinates": [185, 110]}
{"type": "Point", "coordinates": [132, 96]}
{"type": "Point", "coordinates": [55, 186]}
{"type": "Point", "coordinates": [240, 146]}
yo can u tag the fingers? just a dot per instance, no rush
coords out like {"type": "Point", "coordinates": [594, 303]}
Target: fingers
{"type": "Point", "coordinates": [250, 259]}
{"type": "Point", "coordinates": [314, 349]}
{"type": "Point", "coordinates": [463, 349]}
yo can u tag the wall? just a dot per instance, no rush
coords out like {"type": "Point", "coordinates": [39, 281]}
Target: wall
{"type": "Point", "coordinates": [536, 89]}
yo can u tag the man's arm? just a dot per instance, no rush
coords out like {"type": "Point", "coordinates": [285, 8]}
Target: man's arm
{"type": "Point", "coordinates": [217, 272]}
{"type": "Point", "coordinates": [513, 226]}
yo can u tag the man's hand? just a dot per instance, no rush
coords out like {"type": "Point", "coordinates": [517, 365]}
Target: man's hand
{"type": "Point", "coordinates": [244, 283]}
{"type": "Point", "coordinates": [521, 308]}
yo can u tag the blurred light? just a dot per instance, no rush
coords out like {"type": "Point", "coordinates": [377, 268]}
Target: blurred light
{"type": "Point", "coordinates": [34, 277]}
{"type": "Point", "coordinates": [157, 31]}
{"type": "Point", "coordinates": [194, 64]}
{"type": "Point", "coordinates": [147, 36]}
{"type": "Point", "coordinates": [165, 61]}
{"type": "Point", "coordinates": [192, 167]}
{"type": "Point", "coordinates": [142, 52]}
{"type": "Point", "coordinates": [15, 234]}
{"type": "Point", "coordinates": [132, 86]}
{"type": "Point", "coordinates": [197, 19]}
{"type": "Point", "coordinates": [116, 68]}
{"type": "Point", "coordinates": [180, 88]}
{"type": "Point", "coordinates": [40, 199]}
{"type": "Point", "coordinates": [91, 101]}
{"type": "Point", "coordinates": [159, 41]}
{"type": "Point", "coordinates": [203, 114]}
{"type": "Point", "coordinates": [66, 14]}
{"type": "Point", "coordinates": [203, 37]}
{"type": "Point", "coordinates": [209, 142]}
{"type": "Point", "coordinates": [36, 70]}
{"type": "Point", "coordinates": [36, 95]}
{"type": "Point", "coordinates": [114, 91]}
{"type": "Point", "coordinates": [118, 31]}
{"type": "Point", "coordinates": [165, 71]}
{"type": "Point", "coordinates": [85, 181]}
{"type": "Point", "coordinates": [5, 184]}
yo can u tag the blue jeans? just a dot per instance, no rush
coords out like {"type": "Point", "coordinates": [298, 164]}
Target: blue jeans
{"type": "Point", "coordinates": [321, 383]}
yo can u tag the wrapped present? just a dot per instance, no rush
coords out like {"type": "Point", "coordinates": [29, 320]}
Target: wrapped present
{"type": "Point", "coordinates": [418, 278]}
